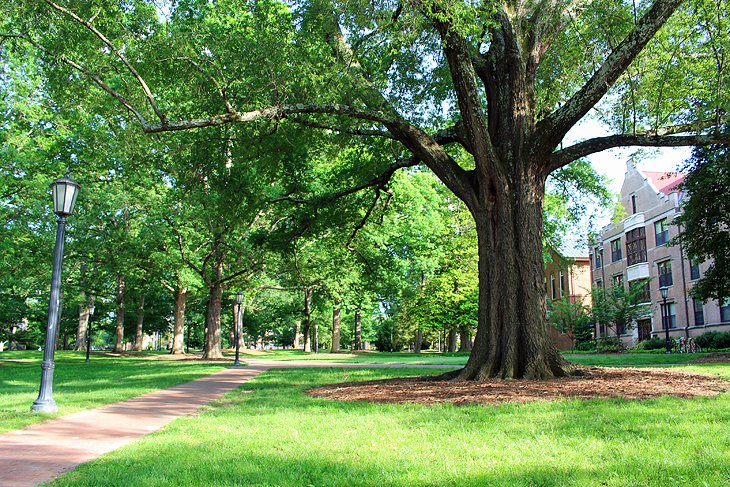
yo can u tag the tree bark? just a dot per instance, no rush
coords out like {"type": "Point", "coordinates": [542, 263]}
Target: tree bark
{"type": "Point", "coordinates": [213, 316]}
{"type": "Point", "coordinates": [138, 335]}
{"type": "Point", "coordinates": [297, 334]}
{"type": "Point", "coordinates": [464, 340]}
{"type": "Point", "coordinates": [307, 319]}
{"type": "Point", "coordinates": [419, 341]}
{"type": "Point", "coordinates": [511, 338]}
{"type": "Point", "coordinates": [335, 330]}
{"type": "Point", "coordinates": [451, 345]}
{"type": "Point", "coordinates": [358, 330]}
{"type": "Point", "coordinates": [178, 332]}
{"type": "Point", "coordinates": [84, 311]}
{"type": "Point", "coordinates": [119, 330]}
{"type": "Point", "coordinates": [234, 325]}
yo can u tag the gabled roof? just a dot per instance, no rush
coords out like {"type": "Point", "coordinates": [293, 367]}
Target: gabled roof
{"type": "Point", "coordinates": [665, 182]}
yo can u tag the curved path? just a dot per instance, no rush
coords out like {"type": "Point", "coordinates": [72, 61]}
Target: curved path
{"type": "Point", "coordinates": [43, 451]}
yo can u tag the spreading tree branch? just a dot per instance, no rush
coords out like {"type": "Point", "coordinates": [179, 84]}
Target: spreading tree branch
{"type": "Point", "coordinates": [553, 128]}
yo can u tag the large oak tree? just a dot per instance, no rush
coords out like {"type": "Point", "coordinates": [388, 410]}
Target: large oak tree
{"type": "Point", "coordinates": [503, 81]}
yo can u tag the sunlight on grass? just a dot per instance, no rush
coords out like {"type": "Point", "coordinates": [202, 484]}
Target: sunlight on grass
{"type": "Point", "coordinates": [269, 433]}
{"type": "Point", "coordinates": [78, 385]}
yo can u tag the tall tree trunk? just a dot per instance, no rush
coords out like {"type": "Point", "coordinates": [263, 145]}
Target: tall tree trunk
{"type": "Point", "coordinates": [335, 330]}
{"type": "Point", "coordinates": [138, 335]}
{"type": "Point", "coordinates": [452, 339]}
{"type": "Point", "coordinates": [419, 341]}
{"type": "Point", "coordinates": [315, 339]}
{"type": "Point", "coordinates": [213, 316]}
{"type": "Point", "coordinates": [178, 331]}
{"type": "Point", "coordinates": [307, 319]}
{"type": "Point", "coordinates": [511, 339]}
{"type": "Point", "coordinates": [83, 312]}
{"type": "Point", "coordinates": [358, 330]}
{"type": "Point", "coordinates": [234, 325]}
{"type": "Point", "coordinates": [464, 340]}
{"type": "Point", "coordinates": [297, 334]}
{"type": "Point", "coordinates": [119, 330]}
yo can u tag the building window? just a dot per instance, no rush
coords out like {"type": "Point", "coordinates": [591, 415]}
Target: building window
{"type": "Point", "coordinates": [661, 231]}
{"type": "Point", "coordinates": [562, 284]}
{"type": "Point", "coordinates": [618, 280]}
{"type": "Point", "coordinates": [725, 310]}
{"type": "Point", "coordinates": [668, 313]}
{"type": "Point", "coordinates": [633, 204]}
{"type": "Point", "coordinates": [636, 246]}
{"type": "Point", "coordinates": [665, 273]}
{"type": "Point", "coordinates": [552, 286]}
{"type": "Point", "coordinates": [599, 257]}
{"type": "Point", "coordinates": [620, 328]}
{"type": "Point", "coordinates": [694, 269]}
{"type": "Point", "coordinates": [699, 313]}
{"type": "Point", "coordinates": [616, 250]}
{"type": "Point", "coordinates": [599, 283]}
{"type": "Point", "coordinates": [601, 329]}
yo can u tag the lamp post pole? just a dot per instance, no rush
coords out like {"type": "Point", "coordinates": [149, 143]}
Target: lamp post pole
{"type": "Point", "coordinates": [665, 319]}
{"type": "Point", "coordinates": [64, 191]}
{"type": "Point", "coordinates": [239, 301]}
{"type": "Point", "coordinates": [88, 334]}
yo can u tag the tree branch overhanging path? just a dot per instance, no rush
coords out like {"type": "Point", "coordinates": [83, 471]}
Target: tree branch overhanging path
{"type": "Point", "coordinates": [499, 117]}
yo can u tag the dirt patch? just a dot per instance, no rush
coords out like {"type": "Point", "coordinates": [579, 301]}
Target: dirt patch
{"type": "Point", "coordinates": [712, 358]}
{"type": "Point", "coordinates": [596, 382]}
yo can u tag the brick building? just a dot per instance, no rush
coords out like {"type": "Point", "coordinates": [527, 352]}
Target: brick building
{"type": "Point", "coordinates": [636, 248]}
{"type": "Point", "coordinates": [568, 274]}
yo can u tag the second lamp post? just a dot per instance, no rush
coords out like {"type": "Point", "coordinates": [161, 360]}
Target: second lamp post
{"type": "Point", "coordinates": [665, 318]}
{"type": "Point", "coordinates": [239, 301]}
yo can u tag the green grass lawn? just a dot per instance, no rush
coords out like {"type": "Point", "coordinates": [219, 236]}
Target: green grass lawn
{"type": "Point", "coordinates": [78, 385]}
{"type": "Point", "coordinates": [269, 433]}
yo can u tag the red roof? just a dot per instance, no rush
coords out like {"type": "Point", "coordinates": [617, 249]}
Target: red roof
{"type": "Point", "coordinates": [666, 182]}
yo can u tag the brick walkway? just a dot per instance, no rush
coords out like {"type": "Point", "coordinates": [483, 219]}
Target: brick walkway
{"type": "Point", "coordinates": [44, 451]}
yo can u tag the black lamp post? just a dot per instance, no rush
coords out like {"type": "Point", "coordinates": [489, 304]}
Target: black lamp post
{"type": "Point", "coordinates": [65, 190]}
{"type": "Point", "coordinates": [239, 300]}
{"type": "Point", "coordinates": [665, 318]}
{"type": "Point", "coordinates": [88, 333]}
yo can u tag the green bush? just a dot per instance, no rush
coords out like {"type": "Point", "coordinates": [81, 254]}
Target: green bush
{"type": "Point", "coordinates": [714, 340]}
{"type": "Point", "coordinates": [654, 343]}
{"type": "Point", "coordinates": [609, 345]}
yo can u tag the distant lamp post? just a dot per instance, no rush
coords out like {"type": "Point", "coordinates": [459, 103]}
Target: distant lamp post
{"type": "Point", "coordinates": [665, 318]}
{"type": "Point", "coordinates": [239, 301]}
{"type": "Point", "coordinates": [65, 190]}
{"type": "Point", "coordinates": [88, 333]}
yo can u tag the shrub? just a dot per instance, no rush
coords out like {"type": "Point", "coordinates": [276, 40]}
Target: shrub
{"type": "Point", "coordinates": [714, 340]}
{"type": "Point", "coordinates": [654, 343]}
{"type": "Point", "coordinates": [609, 345]}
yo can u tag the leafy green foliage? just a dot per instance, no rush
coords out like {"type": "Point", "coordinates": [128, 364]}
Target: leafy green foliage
{"type": "Point", "coordinates": [705, 221]}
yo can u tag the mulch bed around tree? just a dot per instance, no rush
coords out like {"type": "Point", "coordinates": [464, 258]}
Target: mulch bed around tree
{"type": "Point", "coordinates": [596, 382]}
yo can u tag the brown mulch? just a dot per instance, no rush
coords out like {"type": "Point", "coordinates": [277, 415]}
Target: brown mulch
{"type": "Point", "coordinates": [596, 382]}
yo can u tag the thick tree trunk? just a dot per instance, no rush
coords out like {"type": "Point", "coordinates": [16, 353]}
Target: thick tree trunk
{"type": "Point", "coordinates": [335, 330]}
{"type": "Point", "coordinates": [234, 325]}
{"type": "Point", "coordinates": [138, 335]}
{"type": "Point", "coordinates": [178, 331]}
{"type": "Point", "coordinates": [464, 340]}
{"type": "Point", "coordinates": [315, 339]}
{"type": "Point", "coordinates": [84, 311]}
{"type": "Point", "coordinates": [297, 334]}
{"type": "Point", "coordinates": [511, 339]}
{"type": "Point", "coordinates": [451, 344]}
{"type": "Point", "coordinates": [307, 319]}
{"type": "Point", "coordinates": [358, 330]}
{"type": "Point", "coordinates": [419, 341]}
{"type": "Point", "coordinates": [119, 330]}
{"type": "Point", "coordinates": [213, 317]}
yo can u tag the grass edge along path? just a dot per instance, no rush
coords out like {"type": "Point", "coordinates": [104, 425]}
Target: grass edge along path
{"type": "Point", "coordinates": [44, 451]}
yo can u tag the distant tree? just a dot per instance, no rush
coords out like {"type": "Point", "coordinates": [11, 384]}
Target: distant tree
{"type": "Point", "coordinates": [571, 318]}
{"type": "Point", "coordinates": [705, 221]}
{"type": "Point", "coordinates": [618, 307]}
